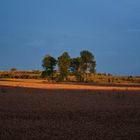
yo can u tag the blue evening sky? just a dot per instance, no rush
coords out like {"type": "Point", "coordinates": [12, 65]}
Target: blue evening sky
{"type": "Point", "coordinates": [110, 29]}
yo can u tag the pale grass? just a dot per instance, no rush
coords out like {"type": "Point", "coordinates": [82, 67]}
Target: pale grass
{"type": "Point", "coordinates": [40, 84]}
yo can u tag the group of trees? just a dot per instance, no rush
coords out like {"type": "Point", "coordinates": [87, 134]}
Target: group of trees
{"type": "Point", "coordinates": [80, 66]}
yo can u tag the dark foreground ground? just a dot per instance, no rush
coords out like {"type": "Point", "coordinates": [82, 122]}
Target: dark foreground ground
{"type": "Point", "coordinates": [39, 114]}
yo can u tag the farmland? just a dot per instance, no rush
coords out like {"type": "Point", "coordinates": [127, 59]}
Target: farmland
{"type": "Point", "coordinates": [69, 70]}
{"type": "Point", "coordinates": [36, 75]}
{"type": "Point", "coordinates": [37, 110]}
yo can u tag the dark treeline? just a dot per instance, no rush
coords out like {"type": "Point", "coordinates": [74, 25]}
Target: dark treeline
{"type": "Point", "coordinates": [80, 67]}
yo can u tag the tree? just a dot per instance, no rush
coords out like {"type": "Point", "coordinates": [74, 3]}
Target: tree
{"type": "Point", "coordinates": [88, 62]}
{"type": "Point", "coordinates": [13, 69]}
{"type": "Point", "coordinates": [76, 64]}
{"type": "Point", "coordinates": [48, 63]}
{"type": "Point", "coordinates": [13, 72]}
{"type": "Point", "coordinates": [63, 65]}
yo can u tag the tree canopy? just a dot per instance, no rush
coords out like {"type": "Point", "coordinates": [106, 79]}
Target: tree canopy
{"type": "Point", "coordinates": [64, 64]}
{"type": "Point", "coordinates": [81, 66]}
{"type": "Point", "coordinates": [48, 64]}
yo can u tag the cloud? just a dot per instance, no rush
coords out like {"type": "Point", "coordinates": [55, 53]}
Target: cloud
{"type": "Point", "coordinates": [36, 43]}
{"type": "Point", "coordinates": [40, 43]}
{"type": "Point", "coordinates": [133, 30]}
{"type": "Point", "coordinates": [110, 52]}
{"type": "Point", "coordinates": [50, 43]}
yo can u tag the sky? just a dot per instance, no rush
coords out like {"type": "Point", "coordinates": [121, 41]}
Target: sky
{"type": "Point", "coordinates": [30, 29]}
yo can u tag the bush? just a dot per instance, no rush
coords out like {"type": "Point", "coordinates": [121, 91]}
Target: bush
{"type": "Point", "coordinates": [25, 76]}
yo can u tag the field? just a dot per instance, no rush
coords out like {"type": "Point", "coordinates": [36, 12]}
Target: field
{"type": "Point", "coordinates": [61, 111]}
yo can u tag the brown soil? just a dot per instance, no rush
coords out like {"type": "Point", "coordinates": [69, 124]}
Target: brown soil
{"type": "Point", "coordinates": [68, 112]}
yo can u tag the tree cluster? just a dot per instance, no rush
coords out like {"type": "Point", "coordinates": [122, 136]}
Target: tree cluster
{"type": "Point", "coordinates": [80, 66]}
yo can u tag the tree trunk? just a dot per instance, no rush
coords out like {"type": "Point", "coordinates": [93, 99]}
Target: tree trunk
{"type": "Point", "coordinates": [52, 75]}
{"type": "Point", "coordinates": [86, 72]}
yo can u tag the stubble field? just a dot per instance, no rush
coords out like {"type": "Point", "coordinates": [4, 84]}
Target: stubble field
{"type": "Point", "coordinates": [68, 112]}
